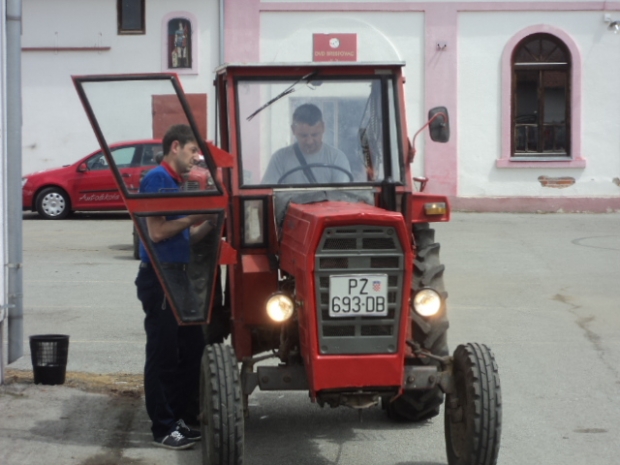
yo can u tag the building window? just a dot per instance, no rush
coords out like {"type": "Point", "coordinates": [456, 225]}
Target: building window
{"type": "Point", "coordinates": [541, 96]}
{"type": "Point", "coordinates": [131, 17]}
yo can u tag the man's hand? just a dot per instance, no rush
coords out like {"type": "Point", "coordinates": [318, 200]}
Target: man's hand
{"type": "Point", "coordinates": [201, 229]}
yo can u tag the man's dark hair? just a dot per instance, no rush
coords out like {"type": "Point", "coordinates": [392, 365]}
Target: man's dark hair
{"type": "Point", "coordinates": [308, 114]}
{"type": "Point", "coordinates": [181, 132]}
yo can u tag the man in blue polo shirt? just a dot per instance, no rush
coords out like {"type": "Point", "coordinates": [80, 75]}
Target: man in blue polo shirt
{"type": "Point", "coordinates": [173, 352]}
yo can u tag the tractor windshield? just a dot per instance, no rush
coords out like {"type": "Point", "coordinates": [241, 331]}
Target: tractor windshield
{"type": "Point", "coordinates": [313, 130]}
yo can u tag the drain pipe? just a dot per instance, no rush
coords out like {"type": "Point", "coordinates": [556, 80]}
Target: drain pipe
{"type": "Point", "coordinates": [13, 171]}
{"type": "Point", "coordinates": [2, 183]}
{"type": "Point", "coordinates": [222, 30]}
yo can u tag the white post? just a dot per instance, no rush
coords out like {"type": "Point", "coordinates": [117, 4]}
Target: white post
{"type": "Point", "coordinates": [12, 180]}
{"type": "Point", "coordinates": [3, 296]}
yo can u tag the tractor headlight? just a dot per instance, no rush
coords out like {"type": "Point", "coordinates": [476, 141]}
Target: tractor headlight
{"type": "Point", "coordinates": [427, 302]}
{"type": "Point", "coordinates": [280, 307]}
{"type": "Point", "coordinates": [435, 208]}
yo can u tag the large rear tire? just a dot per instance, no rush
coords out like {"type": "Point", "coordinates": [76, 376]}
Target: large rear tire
{"type": "Point", "coordinates": [430, 333]}
{"type": "Point", "coordinates": [221, 409]}
{"type": "Point", "coordinates": [473, 413]}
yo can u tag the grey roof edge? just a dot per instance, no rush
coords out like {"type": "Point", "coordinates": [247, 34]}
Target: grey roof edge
{"type": "Point", "coordinates": [309, 64]}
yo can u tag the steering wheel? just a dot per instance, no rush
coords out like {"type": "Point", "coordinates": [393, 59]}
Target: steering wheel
{"type": "Point", "coordinates": [316, 165]}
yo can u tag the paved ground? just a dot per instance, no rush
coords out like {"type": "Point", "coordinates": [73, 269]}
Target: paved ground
{"type": "Point", "coordinates": [541, 290]}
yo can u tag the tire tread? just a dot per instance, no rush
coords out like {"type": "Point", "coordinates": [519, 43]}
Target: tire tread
{"type": "Point", "coordinates": [225, 411]}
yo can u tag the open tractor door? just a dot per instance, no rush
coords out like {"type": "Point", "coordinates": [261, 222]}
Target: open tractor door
{"type": "Point", "coordinates": [333, 269]}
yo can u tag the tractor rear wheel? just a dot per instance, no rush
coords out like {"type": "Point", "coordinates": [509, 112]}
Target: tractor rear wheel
{"type": "Point", "coordinates": [473, 413]}
{"type": "Point", "coordinates": [221, 409]}
{"type": "Point", "coordinates": [430, 333]}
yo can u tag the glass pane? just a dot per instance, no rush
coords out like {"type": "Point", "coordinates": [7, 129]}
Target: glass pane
{"type": "Point", "coordinates": [541, 49]}
{"type": "Point", "coordinates": [334, 125]}
{"type": "Point", "coordinates": [554, 83]}
{"type": "Point", "coordinates": [151, 154]}
{"type": "Point", "coordinates": [145, 110]}
{"type": "Point", "coordinates": [520, 138]}
{"type": "Point", "coordinates": [551, 52]}
{"type": "Point", "coordinates": [548, 138]}
{"type": "Point", "coordinates": [526, 100]}
{"type": "Point", "coordinates": [560, 138]}
{"type": "Point", "coordinates": [98, 162]}
{"type": "Point", "coordinates": [123, 156]}
{"type": "Point", "coordinates": [188, 268]}
{"type": "Point", "coordinates": [131, 15]}
{"type": "Point", "coordinates": [532, 138]}
{"type": "Point", "coordinates": [393, 133]}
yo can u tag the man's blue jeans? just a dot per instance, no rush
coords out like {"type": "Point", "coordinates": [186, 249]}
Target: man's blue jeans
{"type": "Point", "coordinates": [173, 355]}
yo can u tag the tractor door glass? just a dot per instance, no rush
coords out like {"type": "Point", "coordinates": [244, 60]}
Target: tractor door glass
{"type": "Point", "coordinates": [129, 111]}
{"type": "Point", "coordinates": [328, 132]}
{"type": "Point", "coordinates": [187, 267]}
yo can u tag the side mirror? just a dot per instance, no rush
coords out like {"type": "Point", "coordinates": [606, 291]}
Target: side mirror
{"type": "Point", "coordinates": [439, 126]}
{"type": "Point", "coordinates": [82, 168]}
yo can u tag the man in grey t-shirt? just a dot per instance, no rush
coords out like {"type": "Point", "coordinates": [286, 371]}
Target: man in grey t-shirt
{"type": "Point", "coordinates": [308, 129]}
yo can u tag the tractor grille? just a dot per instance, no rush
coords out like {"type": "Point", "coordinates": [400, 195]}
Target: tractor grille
{"type": "Point", "coordinates": [359, 250]}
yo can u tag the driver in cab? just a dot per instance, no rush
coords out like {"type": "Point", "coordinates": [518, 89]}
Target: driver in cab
{"type": "Point", "coordinates": [309, 160]}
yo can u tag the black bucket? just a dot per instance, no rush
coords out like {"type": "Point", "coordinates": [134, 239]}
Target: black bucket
{"type": "Point", "coordinates": [49, 354]}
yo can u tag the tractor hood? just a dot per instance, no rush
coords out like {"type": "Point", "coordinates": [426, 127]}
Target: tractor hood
{"type": "Point", "coordinates": [303, 226]}
{"type": "Point", "coordinates": [287, 197]}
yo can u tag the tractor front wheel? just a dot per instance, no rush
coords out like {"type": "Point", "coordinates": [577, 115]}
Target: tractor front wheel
{"type": "Point", "coordinates": [221, 409]}
{"type": "Point", "coordinates": [473, 412]}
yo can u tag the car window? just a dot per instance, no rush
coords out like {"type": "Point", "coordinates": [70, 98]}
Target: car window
{"type": "Point", "coordinates": [123, 156]}
{"type": "Point", "coordinates": [149, 154]}
{"type": "Point", "coordinates": [98, 162]}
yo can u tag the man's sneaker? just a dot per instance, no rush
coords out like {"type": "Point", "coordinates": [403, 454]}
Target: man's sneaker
{"type": "Point", "coordinates": [174, 441]}
{"type": "Point", "coordinates": [191, 434]}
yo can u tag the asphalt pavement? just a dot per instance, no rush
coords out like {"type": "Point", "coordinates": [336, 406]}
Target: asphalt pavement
{"type": "Point", "coordinates": [541, 290]}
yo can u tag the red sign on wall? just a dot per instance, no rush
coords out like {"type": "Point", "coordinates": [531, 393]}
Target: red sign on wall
{"type": "Point", "coordinates": [334, 47]}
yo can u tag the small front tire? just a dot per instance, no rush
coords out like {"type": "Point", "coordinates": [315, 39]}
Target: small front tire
{"type": "Point", "coordinates": [221, 407]}
{"type": "Point", "coordinates": [473, 412]}
{"type": "Point", "coordinates": [53, 203]}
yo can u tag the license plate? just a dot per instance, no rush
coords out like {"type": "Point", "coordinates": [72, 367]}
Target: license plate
{"type": "Point", "coordinates": [358, 295]}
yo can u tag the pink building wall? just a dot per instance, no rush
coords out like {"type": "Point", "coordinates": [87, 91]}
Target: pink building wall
{"type": "Point", "coordinates": [242, 44]}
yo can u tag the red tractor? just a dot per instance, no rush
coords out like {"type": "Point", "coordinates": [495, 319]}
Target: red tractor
{"type": "Point", "coordinates": [328, 266]}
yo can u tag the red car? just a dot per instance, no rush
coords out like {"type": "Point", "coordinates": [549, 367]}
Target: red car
{"type": "Point", "coordinates": [88, 184]}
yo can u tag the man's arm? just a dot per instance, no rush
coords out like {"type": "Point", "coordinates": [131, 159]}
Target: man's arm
{"type": "Point", "coordinates": [199, 231]}
{"type": "Point", "coordinates": [161, 229]}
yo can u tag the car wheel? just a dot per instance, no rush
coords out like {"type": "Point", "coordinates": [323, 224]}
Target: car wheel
{"type": "Point", "coordinates": [53, 203]}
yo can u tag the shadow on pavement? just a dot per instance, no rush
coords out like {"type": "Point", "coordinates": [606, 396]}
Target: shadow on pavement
{"type": "Point", "coordinates": [305, 434]}
{"type": "Point", "coordinates": [90, 420]}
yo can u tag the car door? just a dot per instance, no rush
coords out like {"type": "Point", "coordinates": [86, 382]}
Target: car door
{"type": "Point", "coordinates": [148, 158]}
{"type": "Point", "coordinates": [96, 188]}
